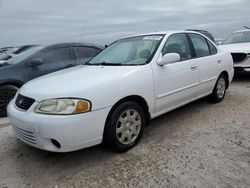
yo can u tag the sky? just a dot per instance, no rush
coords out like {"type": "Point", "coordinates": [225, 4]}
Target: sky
{"type": "Point", "coordinates": [103, 21]}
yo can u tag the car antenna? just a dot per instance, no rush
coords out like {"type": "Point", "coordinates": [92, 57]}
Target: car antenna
{"type": "Point", "coordinates": [83, 23]}
{"type": "Point", "coordinates": [246, 27]}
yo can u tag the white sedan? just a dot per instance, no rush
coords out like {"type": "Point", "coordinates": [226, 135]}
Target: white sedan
{"type": "Point", "coordinates": [112, 97]}
{"type": "Point", "coordinates": [238, 44]}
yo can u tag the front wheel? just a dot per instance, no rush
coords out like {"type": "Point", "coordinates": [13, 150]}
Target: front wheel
{"type": "Point", "coordinates": [124, 127]}
{"type": "Point", "coordinates": [219, 90]}
{"type": "Point", "coordinates": [7, 93]}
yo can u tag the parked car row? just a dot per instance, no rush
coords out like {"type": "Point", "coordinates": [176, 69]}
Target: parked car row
{"type": "Point", "coordinates": [29, 62]}
{"type": "Point", "coordinates": [113, 96]}
{"type": "Point", "coordinates": [12, 80]}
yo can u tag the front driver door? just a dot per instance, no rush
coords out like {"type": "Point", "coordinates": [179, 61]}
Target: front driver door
{"type": "Point", "coordinates": [176, 83]}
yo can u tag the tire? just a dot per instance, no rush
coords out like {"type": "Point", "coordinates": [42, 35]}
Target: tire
{"type": "Point", "coordinates": [219, 90]}
{"type": "Point", "coordinates": [124, 127]}
{"type": "Point", "coordinates": [7, 93]}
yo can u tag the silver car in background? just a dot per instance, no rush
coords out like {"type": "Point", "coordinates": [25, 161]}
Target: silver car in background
{"type": "Point", "coordinates": [238, 44]}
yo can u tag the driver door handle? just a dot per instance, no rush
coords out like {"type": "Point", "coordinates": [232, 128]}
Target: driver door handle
{"type": "Point", "coordinates": [193, 67]}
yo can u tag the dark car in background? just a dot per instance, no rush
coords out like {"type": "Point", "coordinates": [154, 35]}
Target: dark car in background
{"type": "Point", "coordinates": [204, 32]}
{"type": "Point", "coordinates": [37, 61]}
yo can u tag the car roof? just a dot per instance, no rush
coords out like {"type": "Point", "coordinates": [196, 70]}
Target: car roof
{"type": "Point", "coordinates": [164, 33]}
{"type": "Point", "coordinates": [73, 44]}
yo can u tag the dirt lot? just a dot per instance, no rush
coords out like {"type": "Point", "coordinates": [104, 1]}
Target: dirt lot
{"type": "Point", "coordinates": [199, 145]}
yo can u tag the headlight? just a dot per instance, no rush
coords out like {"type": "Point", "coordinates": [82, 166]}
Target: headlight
{"type": "Point", "coordinates": [63, 106]}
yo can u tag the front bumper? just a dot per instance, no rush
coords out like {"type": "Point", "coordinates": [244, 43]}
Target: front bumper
{"type": "Point", "coordinates": [242, 70]}
{"type": "Point", "coordinates": [243, 67]}
{"type": "Point", "coordinates": [73, 132]}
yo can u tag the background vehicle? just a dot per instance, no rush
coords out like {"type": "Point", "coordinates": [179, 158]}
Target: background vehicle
{"type": "Point", "coordinates": [111, 98]}
{"type": "Point", "coordinates": [37, 61]}
{"type": "Point", "coordinates": [204, 32]}
{"type": "Point", "coordinates": [238, 44]}
{"type": "Point", "coordinates": [13, 51]}
{"type": "Point", "coordinates": [219, 41]}
{"type": "Point", "coordinates": [4, 49]}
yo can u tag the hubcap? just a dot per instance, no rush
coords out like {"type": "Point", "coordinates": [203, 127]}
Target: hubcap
{"type": "Point", "coordinates": [221, 87]}
{"type": "Point", "coordinates": [128, 126]}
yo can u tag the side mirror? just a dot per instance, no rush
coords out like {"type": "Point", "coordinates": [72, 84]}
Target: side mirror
{"type": "Point", "coordinates": [169, 58]}
{"type": "Point", "coordinates": [35, 62]}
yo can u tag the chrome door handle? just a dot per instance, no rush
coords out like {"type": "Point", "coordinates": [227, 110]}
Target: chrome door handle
{"type": "Point", "coordinates": [193, 68]}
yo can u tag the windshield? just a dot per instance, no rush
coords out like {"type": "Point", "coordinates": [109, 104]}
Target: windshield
{"type": "Point", "coordinates": [129, 51]}
{"type": "Point", "coordinates": [239, 37]}
{"type": "Point", "coordinates": [20, 57]}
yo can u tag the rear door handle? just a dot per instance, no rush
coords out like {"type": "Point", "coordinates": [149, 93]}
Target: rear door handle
{"type": "Point", "coordinates": [193, 67]}
{"type": "Point", "coordinates": [219, 61]}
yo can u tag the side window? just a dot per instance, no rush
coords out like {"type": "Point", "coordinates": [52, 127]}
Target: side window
{"type": "Point", "coordinates": [84, 52]}
{"type": "Point", "coordinates": [212, 48]}
{"type": "Point", "coordinates": [57, 55]}
{"type": "Point", "coordinates": [200, 45]}
{"type": "Point", "coordinates": [178, 43]}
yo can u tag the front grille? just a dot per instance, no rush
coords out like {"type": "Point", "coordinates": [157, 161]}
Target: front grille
{"type": "Point", "coordinates": [239, 57]}
{"type": "Point", "coordinates": [25, 136]}
{"type": "Point", "coordinates": [23, 102]}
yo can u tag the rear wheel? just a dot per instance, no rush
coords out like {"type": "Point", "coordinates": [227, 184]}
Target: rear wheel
{"type": "Point", "coordinates": [7, 93]}
{"type": "Point", "coordinates": [219, 90]}
{"type": "Point", "coordinates": [125, 126]}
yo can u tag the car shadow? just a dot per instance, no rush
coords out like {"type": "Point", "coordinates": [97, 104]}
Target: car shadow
{"type": "Point", "coordinates": [241, 77]}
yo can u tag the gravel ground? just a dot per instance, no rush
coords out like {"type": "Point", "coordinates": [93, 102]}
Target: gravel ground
{"type": "Point", "coordinates": [198, 145]}
{"type": "Point", "coordinates": [3, 122]}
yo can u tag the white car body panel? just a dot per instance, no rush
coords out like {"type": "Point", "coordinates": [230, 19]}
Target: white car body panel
{"type": "Point", "coordinates": [239, 48]}
{"type": "Point", "coordinates": [163, 88]}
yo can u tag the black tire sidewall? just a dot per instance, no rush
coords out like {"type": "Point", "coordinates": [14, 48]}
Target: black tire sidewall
{"type": "Point", "coordinates": [110, 136]}
{"type": "Point", "coordinates": [214, 96]}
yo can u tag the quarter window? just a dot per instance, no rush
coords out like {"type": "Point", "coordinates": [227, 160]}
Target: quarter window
{"type": "Point", "coordinates": [178, 43]}
{"type": "Point", "coordinates": [200, 45]}
{"type": "Point", "coordinates": [212, 48]}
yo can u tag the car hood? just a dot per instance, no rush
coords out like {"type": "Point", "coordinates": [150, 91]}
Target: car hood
{"type": "Point", "coordinates": [76, 81]}
{"type": "Point", "coordinates": [236, 48]}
